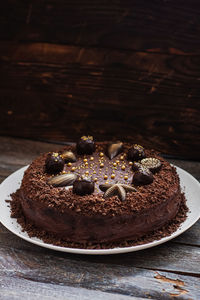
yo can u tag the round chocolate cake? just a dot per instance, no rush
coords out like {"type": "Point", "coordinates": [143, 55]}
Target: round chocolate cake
{"type": "Point", "coordinates": [100, 192]}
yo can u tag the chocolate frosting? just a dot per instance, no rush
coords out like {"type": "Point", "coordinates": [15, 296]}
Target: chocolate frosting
{"type": "Point", "coordinates": [91, 217]}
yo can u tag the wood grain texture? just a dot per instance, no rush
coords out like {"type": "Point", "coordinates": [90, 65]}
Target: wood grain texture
{"type": "Point", "coordinates": [20, 288]}
{"type": "Point", "coordinates": [123, 69]}
{"type": "Point", "coordinates": [169, 271]}
{"type": "Point", "coordinates": [159, 26]}
{"type": "Point", "coordinates": [106, 275]}
{"type": "Point", "coordinates": [169, 257]}
{"type": "Point", "coordinates": [110, 69]}
{"type": "Point", "coordinates": [59, 93]}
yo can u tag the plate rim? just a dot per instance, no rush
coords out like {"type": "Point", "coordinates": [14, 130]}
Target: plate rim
{"type": "Point", "coordinates": [116, 250]}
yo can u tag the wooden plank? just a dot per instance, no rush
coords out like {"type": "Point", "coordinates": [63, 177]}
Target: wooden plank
{"type": "Point", "coordinates": [57, 54]}
{"type": "Point", "coordinates": [160, 26]}
{"type": "Point", "coordinates": [91, 87]}
{"type": "Point", "coordinates": [96, 82]}
{"type": "Point", "coordinates": [167, 257]}
{"type": "Point", "coordinates": [53, 268]}
{"type": "Point", "coordinates": [145, 68]}
{"type": "Point", "coordinates": [20, 288]}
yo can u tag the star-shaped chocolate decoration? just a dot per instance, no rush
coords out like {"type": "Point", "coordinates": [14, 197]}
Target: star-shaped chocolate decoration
{"type": "Point", "coordinates": [118, 189]}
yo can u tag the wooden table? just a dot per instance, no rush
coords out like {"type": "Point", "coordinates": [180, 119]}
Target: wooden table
{"type": "Point", "coordinates": [168, 271]}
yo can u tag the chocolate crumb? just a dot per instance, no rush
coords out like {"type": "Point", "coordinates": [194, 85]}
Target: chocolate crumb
{"type": "Point", "coordinates": [33, 231]}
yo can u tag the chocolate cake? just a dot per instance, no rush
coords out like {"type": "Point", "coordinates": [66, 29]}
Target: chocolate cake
{"type": "Point", "coordinates": [100, 192]}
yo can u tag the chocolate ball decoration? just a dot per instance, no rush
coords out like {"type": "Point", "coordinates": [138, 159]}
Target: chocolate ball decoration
{"type": "Point", "coordinates": [142, 177]}
{"type": "Point", "coordinates": [85, 145]}
{"type": "Point", "coordinates": [54, 163]}
{"type": "Point", "coordinates": [135, 153]}
{"type": "Point", "coordinates": [83, 186]}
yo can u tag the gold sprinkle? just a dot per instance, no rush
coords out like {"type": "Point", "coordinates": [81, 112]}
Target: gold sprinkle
{"type": "Point", "coordinates": [91, 158]}
{"type": "Point", "coordinates": [123, 167]}
{"type": "Point", "coordinates": [69, 164]}
{"type": "Point", "coordinates": [112, 176]}
{"type": "Point", "coordinates": [121, 157]}
{"type": "Point", "coordinates": [73, 169]}
{"type": "Point", "coordinates": [86, 172]}
{"type": "Point", "coordinates": [117, 161]}
{"type": "Point", "coordinates": [105, 177]}
{"type": "Point", "coordinates": [130, 163]}
{"type": "Point", "coordinates": [101, 165]}
{"type": "Point", "coordinates": [101, 154]}
{"type": "Point", "coordinates": [114, 164]}
{"type": "Point", "coordinates": [94, 172]}
{"type": "Point", "coordinates": [107, 182]}
{"type": "Point", "coordinates": [85, 159]}
{"type": "Point", "coordinates": [86, 163]}
{"type": "Point", "coordinates": [87, 138]}
{"type": "Point", "coordinates": [95, 179]}
{"type": "Point", "coordinates": [126, 177]}
{"type": "Point", "coordinates": [55, 154]}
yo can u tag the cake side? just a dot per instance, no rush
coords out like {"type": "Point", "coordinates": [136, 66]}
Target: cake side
{"type": "Point", "coordinates": [73, 226]}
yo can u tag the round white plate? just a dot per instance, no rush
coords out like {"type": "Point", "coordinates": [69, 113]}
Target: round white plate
{"type": "Point", "coordinates": [189, 185]}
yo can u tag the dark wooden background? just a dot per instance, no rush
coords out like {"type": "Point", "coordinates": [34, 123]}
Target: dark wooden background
{"type": "Point", "coordinates": [119, 68]}
{"type": "Point", "coordinates": [129, 69]}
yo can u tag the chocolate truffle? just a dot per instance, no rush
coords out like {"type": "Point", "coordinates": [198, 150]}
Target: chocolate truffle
{"type": "Point", "coordinates": [85, 145]}
{"type": "Point", "coordinates": [142, 177]}
{"type": "Point", "coordinates": [54, 163]}
{"type": "Point", "coordinates": [83, 186]}
{"type": "Point", "coordinates": [135, 153]}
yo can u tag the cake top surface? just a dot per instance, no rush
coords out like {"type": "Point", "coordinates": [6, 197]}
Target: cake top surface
{"type": "Point", "coordinates": [106, 165]}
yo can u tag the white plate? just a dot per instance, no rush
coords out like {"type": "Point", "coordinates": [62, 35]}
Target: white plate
{"type": "Point", "coordinates": [189, 185]}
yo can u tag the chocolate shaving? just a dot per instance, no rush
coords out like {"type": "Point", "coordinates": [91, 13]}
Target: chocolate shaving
{"type": "Point", "coordinates": [33, 231]}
